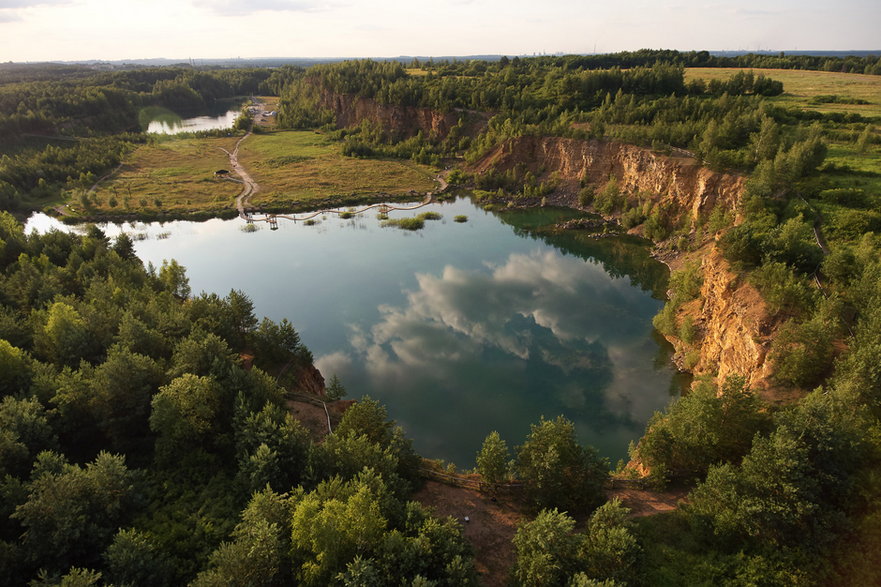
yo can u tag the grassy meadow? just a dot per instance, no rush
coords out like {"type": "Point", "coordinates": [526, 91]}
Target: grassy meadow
{"type": "Point", "coordinates": [173, 175]}
{"type": "Point", "coordinates": [800, 87]}
{"type": "Point", "coordinates": [305, 167]}
{"type": "Point", "coordinates": [296, 169]}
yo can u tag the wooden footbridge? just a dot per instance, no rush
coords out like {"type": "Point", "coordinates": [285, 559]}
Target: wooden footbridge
{"type": "Point", "coordinates": [272, 219]}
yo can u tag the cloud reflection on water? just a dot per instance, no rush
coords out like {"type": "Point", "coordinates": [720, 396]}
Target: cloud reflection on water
{"type": "Point", "coordinates": [555, 330]}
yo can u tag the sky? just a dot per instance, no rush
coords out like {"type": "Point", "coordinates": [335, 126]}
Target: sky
{"type": "Point", "coordinates": [66, 30]}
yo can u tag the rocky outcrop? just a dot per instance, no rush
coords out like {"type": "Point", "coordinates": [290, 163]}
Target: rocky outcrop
{"type": "Point", "coordinates": [678, 183]}
{"type": "Point", "coordinates": [733, 327]}
{"type": "Point", "coordinates": [309, 380]}
{"type": "Point", "coordinates": [399, 121]}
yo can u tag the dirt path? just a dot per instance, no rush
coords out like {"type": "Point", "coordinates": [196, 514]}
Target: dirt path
{"type": "Point", "coordinates": [249, 186]}
{"type": "Point", "coordinates": [643, 502]}
{"type": "Point", "coordinates": [493, 523]}
{"type": "Point", "coordinates": [490, 530]}
{"type": "Point", "coordinates": [95, 185]}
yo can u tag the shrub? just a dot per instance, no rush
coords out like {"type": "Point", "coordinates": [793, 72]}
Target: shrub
{"type": "Point", "coordinates": [415, 223]}
{"type": "Point", "coordinates": [702, 428]}
{"type": "Point", "coordinates": [686, 282]}
{"type": "Point", "coordinates": [783, 290]}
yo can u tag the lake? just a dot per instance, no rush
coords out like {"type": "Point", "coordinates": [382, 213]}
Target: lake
{"type": "Point", "coordinates": [222, 115]}
{"type": "Point", "coordinates": [459, 328]}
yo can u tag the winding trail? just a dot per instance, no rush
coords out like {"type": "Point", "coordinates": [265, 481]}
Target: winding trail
{"type": "Point", "coordinates": [251, 187]}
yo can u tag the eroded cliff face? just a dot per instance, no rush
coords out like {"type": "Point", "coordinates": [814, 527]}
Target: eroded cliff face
{"type": "Point", "coordinates": [310, 380]}
{"type": "Point", "coordinates": [399, 121]}
{"type": "Point", "coordinates": [678, 182]}
{"type": "Point", "coordinates": [732, 325]}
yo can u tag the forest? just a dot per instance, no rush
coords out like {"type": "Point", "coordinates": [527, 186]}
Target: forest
{"type": "Point", "coordinates": [138, 446]}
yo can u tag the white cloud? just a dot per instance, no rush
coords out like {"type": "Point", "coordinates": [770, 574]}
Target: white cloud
{"type": "Point", "coordinates": [244, 7]}
{"type": "Point", "coordinates": [338, 363]}
{"type": "Point", "coordinates": [544, 306]}
{"type": "Point", "coordinates": [6, 4]}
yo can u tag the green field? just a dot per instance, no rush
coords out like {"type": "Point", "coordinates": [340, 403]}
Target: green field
{"type": "Point", "coordinates": [299, 167]}
{"type": "Point", "coordinates": [800, 86]}
{"type": "Point", "coordinates": [172, 175]}
{"type": "Point", "coordinates": [293, 168]}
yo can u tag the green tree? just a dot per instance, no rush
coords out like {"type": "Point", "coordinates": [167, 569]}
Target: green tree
{"type": "Point", "coordinates": [202, 353]}
{"type": "Point", "coordinates": [71, 512]}
{"type": "Point", "coordinates": [328, 532]}
{"type": "Point", "coordinates": [64, 338]}
{"type": "Point", "coordinates": [24, 433]}
{"type": "Point", "coordinates": [241, 310]}
{"type": "Point", "coordinates": [258, 551]}
{"type": "Point", "coordinates": [610, 550]}
{"type": "Point", "coordinates": [492, 460]}
{"type": "Point", "coordinates": [368, 417]}
{"type": "Point", "coordinates": [134, 558]}
{"type": "Point", "coordinates": [123, 387]}
{"type": "Point", "coordinates": [803, 352]}
{"type": "Point", "coordinates": [14, 368]}
{"type": "Point", "coordinates": [272, 449]}
{"type": "Point", "coordinates": [183, 416]}
{"type": "Point", "coordinates": [335, 389]}
{"type": "Point", "coordinates": [704, 427]}
{"type": "Point", "coordinates": [174, 277]}
{"type": "Point", "coordinates": [546, 550]}
{"type": "Point", "coordinates": [796, 486]}
{"type": "Point", "coordinates": [557, 471]}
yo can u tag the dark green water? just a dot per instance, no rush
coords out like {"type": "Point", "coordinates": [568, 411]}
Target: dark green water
{"type": "Point", "coordinates": [460, 329]}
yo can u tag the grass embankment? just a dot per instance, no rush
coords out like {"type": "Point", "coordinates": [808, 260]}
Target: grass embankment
{"type": "Point", "coordinates": [295, 170]}
{"type": "Point", "coordinates": [301, 169]}
{"type": "Point", "coordinates": [170, 175]}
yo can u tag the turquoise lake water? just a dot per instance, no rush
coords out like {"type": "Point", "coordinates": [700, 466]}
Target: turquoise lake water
{"type": "Point", "coordinates": [459, 328]}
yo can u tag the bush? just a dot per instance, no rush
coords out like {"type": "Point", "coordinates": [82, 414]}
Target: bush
{"type": "Point", "coordinates": [803, 352]}
{"type": "Point", "coordinates": [585, 196]}
{"type": "Point", "coordinates": [702, 428]}
{"type": "Point", "coordinates": [687, 330]}
{"type": "Point", "coordinates": [850, 197]}
{"type": "Point", "coordinates": [783, 290]}
{"type": "Point", "coordinates": [557, 471]}
{"type": "Point", "coordinates": [686, 282]}
{"type": "Point", "coordinates": [665, 320]}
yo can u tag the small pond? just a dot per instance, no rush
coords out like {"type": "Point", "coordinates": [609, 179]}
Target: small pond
{"type": "Point", "coordinates": [222, 115]}
{"type": "Point", "coordinates": [459, 328]}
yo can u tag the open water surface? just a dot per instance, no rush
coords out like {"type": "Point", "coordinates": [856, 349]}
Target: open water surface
{"type": "Point", "coordinates": [220, 116]}
{"type": "Point", "coordinates": [459, 328]}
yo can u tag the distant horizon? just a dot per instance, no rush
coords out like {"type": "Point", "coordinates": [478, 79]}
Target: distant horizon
{"type": "Point", "coordinates": [183, 60]}
{"type": "Point", "coordinates": [117, 30]}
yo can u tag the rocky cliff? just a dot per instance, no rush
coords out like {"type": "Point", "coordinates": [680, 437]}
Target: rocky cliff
{"type": "Point", "coordinates": [399, 121]}
{"type": "Point", "coordinates": [732, 327]}
{"type": "Point", "coordinates": [680, 182]}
